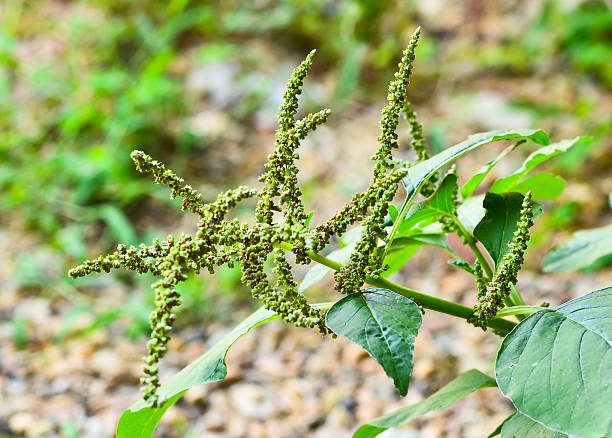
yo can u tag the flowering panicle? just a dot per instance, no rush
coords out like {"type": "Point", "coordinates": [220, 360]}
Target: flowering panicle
{"type": "Point", "coordinates": [396, 99]}
{"type": "Point", "coordinates": [192, 200]}
{"type": "Point", "coordinates": [366, 259]}
{"type": "Point", "coordinates": [221, 241]}
{"type": "Point", "coordinates": [281, 171]}
{"type": "Point", "coordinates": [481, 281]}
{"type": "Point", "coordinates": [491, 300]}
{"type": "Point", "coordinates": [419, 146]}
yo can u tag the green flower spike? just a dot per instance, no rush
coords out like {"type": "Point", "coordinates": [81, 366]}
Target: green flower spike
{"type": "Point", "coordinates": [505, 278]}
{"type": "Point", "coordinates": [419, 146]}
{"type": "Point", "coordinates": [366, 259]}
{"type": "Point", "coordinates": [221, 241]}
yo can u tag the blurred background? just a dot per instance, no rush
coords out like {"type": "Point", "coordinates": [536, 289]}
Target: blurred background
{"type": "Point", "coordinates": [197, 85]}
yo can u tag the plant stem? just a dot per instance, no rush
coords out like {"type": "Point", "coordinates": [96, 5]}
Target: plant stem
{"type": "Point", "coordinates": [426, 301]}
{"type": "Point", "coordinates": [519, 310]}
{"type": "Point", "coordinates": [471, 241]}
{"type": "Point", "coordinates": [396, 224]}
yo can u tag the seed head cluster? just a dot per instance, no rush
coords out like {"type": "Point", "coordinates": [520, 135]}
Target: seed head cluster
{"type": "Point", "coordinates": [490, 297]}
{"type": "Point", "coordinates": [281, 218]}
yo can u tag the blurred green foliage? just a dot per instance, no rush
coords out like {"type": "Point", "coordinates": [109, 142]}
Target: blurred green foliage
{"type": "Point", "coordinates": [82, 83]}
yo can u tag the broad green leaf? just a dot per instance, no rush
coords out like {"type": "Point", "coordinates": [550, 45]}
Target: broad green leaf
{"type": "Point", "coordinates": [468, 188]}
{"type": "Point", "coordinates": [457, 389]}
{"type": "Point", "coordinates": [521, 426]}
{"type": "Point", "coordinates": [385, 324]}
{"type": "Point", "coordinates": [426, 212]}
{"type": "Point", "coordinates": [507, 184]}
{"type": "Point", "coordinates": [140, 421]}
{"type": "Point", "coordinates": [541, 186]}
{"type": "Point", "coordinates": [421, 172]}
{"type": "Point", "coordinates": [556, 366]}
{"type": "Point", "coordinates": [585, 248]}
{"type": "Point", "coordinates": [496, 228]}
{"type": "Point", "coordinates": [318, 271]}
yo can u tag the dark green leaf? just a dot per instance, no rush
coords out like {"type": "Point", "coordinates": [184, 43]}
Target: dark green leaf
{"type": "Point", "coordinates": [496, 228]}
{"type": "Point", "coordinates": [385, 324]}
{"type": "Point", "coordinates": [507, 184]}
{"type": "Point", "coordinates": [521, 426]}
{"type": "Point", "coordinates": [555, 366]}
{"type": "Point", "coordinates": [421, 172]}
{"type": "Point", "coordinates": [463, 385]}
{"type": "Point", "coordinates": [584, 249]}
{"type": "Point", "coordinates": [140, 421]}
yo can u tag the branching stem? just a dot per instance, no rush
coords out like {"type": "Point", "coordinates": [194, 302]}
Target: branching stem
{"type": "Point", "coordinates": [426, 301]}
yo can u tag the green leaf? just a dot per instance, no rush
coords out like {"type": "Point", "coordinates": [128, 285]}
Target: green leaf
{"type": "Point", "coordinates": [398, 258]}
{"type": "Point", "coordinates": [412, 242]}
{"type": "Point", "coordinates": [468, 188]}
{"type": "Point", "coordinates": [555, 366]}
{"type": "Point", "coordinates": [140, 421]}
{"type": "Point", "coordinates": [498, 429]}
{"type": "Point", "coordinates": [521, 426]}
{"type": "Point", "coordinates": [421, 172]}
{"type": "Point", "coordinates": [541, 186]}
{"type": "Point", "coordinates": [393, 212]}
{"type": "Point", "coordinates": [585, 248]}
{"type": "Point", "coordinates": [457, 389]}
{"type": "Point", "coordinates": [507, 184]}
{"type": "Point", "coordinates": [426, 212]}
{"type": "Point", "coordinates": [496, 228]}
{"type": "Point", "coordinates": [432, 239]}
{"type": "Point", "coordinates": [385, 324]}
{"type": "Point", "coordinates": [471, 212]}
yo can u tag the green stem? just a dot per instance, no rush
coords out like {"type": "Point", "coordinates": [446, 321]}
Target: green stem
{"type": "Point", "coordinates": [471, 241]}
{"type": "Point", "coordinates": [518, 310]}
{"type": "Point", "coordinates": [426, 301]}
{"type": "Point", "coordinates": [396, 224]}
